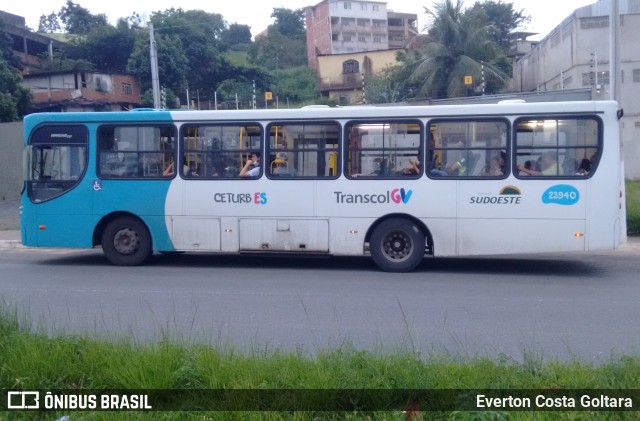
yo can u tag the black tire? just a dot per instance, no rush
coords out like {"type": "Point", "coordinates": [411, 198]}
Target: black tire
{"type": "Point", "coordinates": [126, 242]}
{"type": "Point", "coordinates": [397, 245]}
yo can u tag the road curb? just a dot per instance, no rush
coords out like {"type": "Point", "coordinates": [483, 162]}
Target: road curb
{"type": "Point", "coordinates": [10, 244]}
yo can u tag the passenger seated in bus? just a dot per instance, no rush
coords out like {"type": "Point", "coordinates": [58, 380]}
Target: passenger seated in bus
{"type": "Point", "coordinates": [585, 167]}
{"type": "Point", "coordinates": [455, 168]}
{"type": "Point", "coordinates": [548, 166]}
{"type": "Point", "coordinates": [413, 168]}
{"type": "Point", "coordinates": [279, 166]}
{"type": "Point", "coordinates": [169, 168]}
{"type": "Point", "coordinates": [459, 168]}
{"type": "Point", "coordinates": [252, 166]}
{"type": "Point", "coordinates": [493, 168]}
{"type": "Point", "coordinates": [191, 170]}
{"type": "Point", "coordinates": [382, 167]}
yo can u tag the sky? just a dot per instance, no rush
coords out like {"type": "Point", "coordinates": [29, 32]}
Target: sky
{"type": "Point", "coordinates": [256, 13]}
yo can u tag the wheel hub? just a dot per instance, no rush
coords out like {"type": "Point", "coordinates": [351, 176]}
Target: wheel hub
{"type": "Point", "coordinates": [126, 241]}
{"type": "Point", "coordinates": [397, 246]}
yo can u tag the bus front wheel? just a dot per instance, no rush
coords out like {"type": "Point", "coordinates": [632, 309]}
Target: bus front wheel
{"type": "Point", "coordinates": [397, 245]}
{"type": "Point", "coordinates": [126, 242]}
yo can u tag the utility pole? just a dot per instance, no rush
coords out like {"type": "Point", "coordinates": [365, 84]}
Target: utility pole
{"type": "Point", "coordinates": [155, 79]}
{"type": "Point", "coordinates": [614, 53]}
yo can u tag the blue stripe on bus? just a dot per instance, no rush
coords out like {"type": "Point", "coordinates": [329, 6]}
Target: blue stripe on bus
{"type": "Point", "coordinates": [70, 219]}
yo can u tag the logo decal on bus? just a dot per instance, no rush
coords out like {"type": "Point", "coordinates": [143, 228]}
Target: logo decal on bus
{"type": "Point", "coordinates": [397, 196]}
{"type": "Point", "coordinates": [509, 195]}
{"type": "Point", "coordinates": [561, 194]}
{"type": "Point", "coordinates": [257, 198]}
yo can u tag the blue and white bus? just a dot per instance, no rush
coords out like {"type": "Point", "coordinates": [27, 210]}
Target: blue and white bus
{"type": "Point", "coordinates": [395, 183]}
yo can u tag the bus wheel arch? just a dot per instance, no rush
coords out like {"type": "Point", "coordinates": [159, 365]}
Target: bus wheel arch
{"type": "Point", "coordinates": [125, 238]}
{"type": "Point", "coordinates": [398, 242]}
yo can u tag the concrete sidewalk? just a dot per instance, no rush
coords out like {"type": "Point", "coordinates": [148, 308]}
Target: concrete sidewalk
{"type": "Point", "coordinates": [10, 223]}
{"type": "Point", "coordinates": [10, 239]}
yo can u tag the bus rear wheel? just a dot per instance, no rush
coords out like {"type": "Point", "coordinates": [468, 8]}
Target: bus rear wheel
{"type": "Point", "coordinates": [126, 242]}
{"type": "Point", "coordinates": [397, 245]}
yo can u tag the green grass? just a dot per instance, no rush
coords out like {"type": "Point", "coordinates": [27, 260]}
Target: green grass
{"type": "Point", "coordinates": [36, 361]}
{"type": "Point", "coordinates": [633, 207]}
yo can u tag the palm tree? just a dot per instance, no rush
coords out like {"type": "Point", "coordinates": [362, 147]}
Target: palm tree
{"type": "Point", "coordinates": [457, 47]}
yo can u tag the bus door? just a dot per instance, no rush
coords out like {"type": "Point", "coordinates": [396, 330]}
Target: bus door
{"type": "Point", "coordinates": [298, 156]}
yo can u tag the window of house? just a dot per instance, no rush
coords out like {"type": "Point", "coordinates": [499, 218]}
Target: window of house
{"type": "Point", "coordinates": [347, 5]}
{"type": "Point", "coordinates": [346, 37]}
{"type": "Point", "coordinates": [556, 147]}
{"type": "Point", "coordinates": [351, 66]}
{"type": "Point", "coordinates": [127, 89]}
{"type": "Point", "coordinates": [303, 150]}
{"type": "Point", "coordinates": [636, 75]}
{"type": "Point", "coordinates": [136, 151]}
{"type": "Point", "coordinates": [384, 150]}
{"type": "Point", "coordinates": [468, 148]}
{"type": "Point", "coordinates": [218, 151]}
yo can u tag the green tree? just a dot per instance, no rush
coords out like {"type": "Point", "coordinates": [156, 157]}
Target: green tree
{"type": "Point", "coordinates": [289, 23]}
{"type": "Point", "coordinates": [393, 83]}
{"type": "Point", "coordinates": [107, 47]}
{"type": "Point", "coordinates": [190, 54]}
{"type": "Point", "coordinates": [173, 64]}
{"type": "Point", "coordinates": [276, 51]}
{"type": "Point", "coordinates": [78, 20]}
{"type": "Point", "coordinates": [15, 100]}
{"type": "Point", "coordinates": [49, 23]}
{"type": "Point", "coordinates": [236, 34]}
{"type": "Point", "coordinates": [502, 18]}
{"type": "Point", "coordinates": [458, 47]}
{"type": "Point", "coordinates": [285, 44]}
{"type": "Point", "coordinates": [296, 84]}
{"type": "Point", "coordinates": [74, 18]}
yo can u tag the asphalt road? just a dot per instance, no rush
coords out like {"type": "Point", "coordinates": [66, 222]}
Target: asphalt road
{"type": "Point", "coordinates": [543, 306]}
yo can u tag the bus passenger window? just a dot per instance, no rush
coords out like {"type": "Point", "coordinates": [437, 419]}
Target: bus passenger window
{"type": "Point", "coordinates": [218, 150]}
{"type": "Point", "coordinates": [468, 148]}
{"type": "Point", "coordinates": [550, 147]}
{"type": "Point", "coordinates": [302, 150]}
{"type": "Point", "coordinates": [135, 151]}
{"type": "Point", "coordinates": [384, 150]}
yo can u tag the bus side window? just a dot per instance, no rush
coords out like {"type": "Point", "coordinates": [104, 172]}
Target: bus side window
{"type": "Point", "coordinates": [557, 147]}
{"type": "Point", "coordinates": [389, 149]}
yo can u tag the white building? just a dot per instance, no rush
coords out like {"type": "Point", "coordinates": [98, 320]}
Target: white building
{"type": "Point", "coordinates": [575, 55]}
